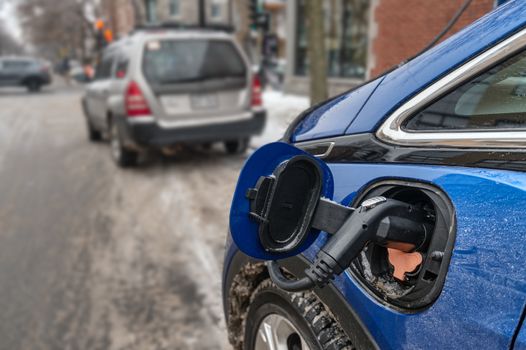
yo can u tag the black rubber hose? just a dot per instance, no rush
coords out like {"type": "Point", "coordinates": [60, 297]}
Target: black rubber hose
{"type": "Point", "coordinates": [446, 29]}
{"type": "Point", "coordinates": [287, 284]}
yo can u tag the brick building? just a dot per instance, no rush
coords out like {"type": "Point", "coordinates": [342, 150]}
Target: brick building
{"type": "Point", "coordinates": [187, 11]}
{"type": "Point", "coordinates": [366, 37]}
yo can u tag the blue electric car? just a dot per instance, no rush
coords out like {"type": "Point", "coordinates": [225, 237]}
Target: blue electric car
{"type": "Point", "coordinates": [393, 216]}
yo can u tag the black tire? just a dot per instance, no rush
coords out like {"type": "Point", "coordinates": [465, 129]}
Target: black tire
{"type": "Point", "coordinates": [122, 156]}
{"type": "Point", "coordinates": [304, 310]}
{"type": "Point", "coordinates": [237, 146]}
{"type": "Point", "coordinates": [33, 85]}
{"type": "Point", "coordinates": [94, 135]}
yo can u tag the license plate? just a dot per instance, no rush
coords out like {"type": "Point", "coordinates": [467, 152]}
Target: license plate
{"type": "Point", "coordinates": [176, 104]}
{"type": "Point", "coordinates": [207, 101]}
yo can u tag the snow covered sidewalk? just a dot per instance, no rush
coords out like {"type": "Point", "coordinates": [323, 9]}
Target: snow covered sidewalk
{"type": "Point", "coordinates": [281, 111]}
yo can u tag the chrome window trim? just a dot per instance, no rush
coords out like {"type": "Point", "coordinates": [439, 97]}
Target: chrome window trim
{"type": "Point", "coordinates": [391, 130]}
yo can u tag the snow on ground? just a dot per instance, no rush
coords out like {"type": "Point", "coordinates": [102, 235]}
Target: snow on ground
{"type": "Point", "coordinates": [281, 111]}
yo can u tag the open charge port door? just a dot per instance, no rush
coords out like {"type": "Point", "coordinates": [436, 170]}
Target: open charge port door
{"type": "Point", "coordinates": [397, 238]}
{"type": "Point", "coordinates": [409, 281]}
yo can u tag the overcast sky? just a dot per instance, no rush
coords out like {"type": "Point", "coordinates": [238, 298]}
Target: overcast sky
{"type": "Point", "coordinates": [8, 18]}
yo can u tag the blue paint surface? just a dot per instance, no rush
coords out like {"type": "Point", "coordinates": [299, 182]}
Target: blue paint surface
{"type": "Point", "coordinates": [520, 344]}
{"type": "Point", "coordinates": [333, 117]}
{"type": "Point", "coordinates": [485, 288]}
{"type": "Point", "coordinates": [244, 230]}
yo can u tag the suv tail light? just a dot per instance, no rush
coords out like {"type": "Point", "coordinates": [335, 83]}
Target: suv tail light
{"type": "Point", "coordinates": [257, 93]}
{"type": "Point", "coordinates": [136, 104]}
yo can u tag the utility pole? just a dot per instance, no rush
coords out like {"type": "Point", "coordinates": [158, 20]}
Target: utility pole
{"type": "Point", "coordinates": [202, 13]}
{"type": "Point", "coordinates": [316, 51]}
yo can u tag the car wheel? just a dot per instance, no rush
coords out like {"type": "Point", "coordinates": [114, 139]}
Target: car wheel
{"type": "Point", "coordinates": [299, 321]}
{"type": "Point", "coordinates": [122, 156]}
{"type": "Point", "coordinates": [93, 134]}
{"type": "Point", "coordinates": [237, 146]}
{"type": "Point", "coordinates": [33, 85]}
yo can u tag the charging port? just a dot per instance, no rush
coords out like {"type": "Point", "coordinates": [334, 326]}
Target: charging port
{"type": "Point", "coordinates": [414, 280]}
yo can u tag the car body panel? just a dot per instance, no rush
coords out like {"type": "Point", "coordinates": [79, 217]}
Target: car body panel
{"type": "Point", "coordinates": [485, 288]}
{"type": "Point", "coordinates": [404, 82]}
{"type": "Point", "coordinates": [244, 230]}
{"type": "Point", "coordinates": [520, 342]}
{"type": "Point", "coordinates": [334, 116]}
{"type": "Point", "coordinates": [97, 95]}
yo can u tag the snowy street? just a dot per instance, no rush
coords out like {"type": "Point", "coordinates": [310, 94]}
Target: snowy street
{"type": "Point", "coordinates": [111, 258]}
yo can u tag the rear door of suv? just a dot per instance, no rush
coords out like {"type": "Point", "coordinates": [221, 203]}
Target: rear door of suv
{"type": "Point", "coordinates": [196, 80]}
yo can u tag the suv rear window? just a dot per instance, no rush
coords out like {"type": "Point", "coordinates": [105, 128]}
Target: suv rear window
{"type": "Point", "coordinates": [180, 61]}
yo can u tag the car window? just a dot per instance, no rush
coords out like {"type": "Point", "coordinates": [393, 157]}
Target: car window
{"type": "Point", "coordinates": [493, 100]}
{"type": "Point", "coordinates": [177, 61]}
{"type": "Point", "coordinates": [104, 68]}
{"type": "Point", "coordinates": [16, 65]}
{"type": "Point", "coordinates": [121, 68]}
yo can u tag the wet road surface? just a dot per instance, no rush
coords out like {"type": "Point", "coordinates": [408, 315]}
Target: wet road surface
{"type": "Point", "coordinates": [93, 257]}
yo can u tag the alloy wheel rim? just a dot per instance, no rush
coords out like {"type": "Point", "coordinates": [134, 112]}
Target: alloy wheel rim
{"type": "Point", "coordinates": [275, 332]}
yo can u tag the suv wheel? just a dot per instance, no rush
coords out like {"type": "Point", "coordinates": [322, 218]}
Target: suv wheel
{"type": "Point", "coordinates": [280, 320]}
{"type": "Point", "coordinates": [93, 134]}
{"type": "Point", "coordinates": [122, 156]}
{"type": "Point", "coordinates": [237, 146]}
{"type": "Point", "coordinates": [33, 85]}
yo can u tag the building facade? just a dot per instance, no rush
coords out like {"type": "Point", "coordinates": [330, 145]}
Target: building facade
{"type": "Point", "coordinates": [363, 37]}
{"type": "Point", "coordinates": [366, 37]}
{"type": "Point", "coordinates": [187, 11]}
{"type": "Point", "coordinates": [119, 15]}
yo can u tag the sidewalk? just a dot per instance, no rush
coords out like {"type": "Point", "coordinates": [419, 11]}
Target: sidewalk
{"type": "Point", "coordinates": [282, 109]}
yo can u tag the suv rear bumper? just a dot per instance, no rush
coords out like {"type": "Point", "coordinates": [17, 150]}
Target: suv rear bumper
{"type": "Point", "coordinates": [150, 134]}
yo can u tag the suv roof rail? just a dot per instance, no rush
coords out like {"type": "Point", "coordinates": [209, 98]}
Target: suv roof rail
{"type": "Point", "coordinates": [181, 26]}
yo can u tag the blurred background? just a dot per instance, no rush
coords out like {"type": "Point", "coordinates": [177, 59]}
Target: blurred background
{"type": "Point", "coordinates": [95, 257]}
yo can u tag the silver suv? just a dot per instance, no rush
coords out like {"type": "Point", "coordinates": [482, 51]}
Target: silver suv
{"type": "Point", "coordinates": [28, 72]}
{"type": "Point", "coordinates": [162, 87]}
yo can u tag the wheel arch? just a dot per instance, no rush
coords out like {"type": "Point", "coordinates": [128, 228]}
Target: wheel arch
{"type": "Point", "coordinates": [243, 276]}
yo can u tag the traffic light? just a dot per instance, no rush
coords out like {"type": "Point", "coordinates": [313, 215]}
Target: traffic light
{"type": "Point", "coordinates": [258, 17]}
{"type": "Point", "coordinates": [253, 9]}
{"type": "Point", "coordinates": [99, 24]}
{"type": "Point", "coordinates": [103, 35]}
{"type": "Point", "coordinates": [108, 36]}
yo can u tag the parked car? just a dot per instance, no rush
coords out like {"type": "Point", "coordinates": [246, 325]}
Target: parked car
{"type": "Point", "coordinates": [161, 87]}
{"type": "Point", "coordinates": [28, 72]}
{"type": "Point", "coordinates": [391, 216]}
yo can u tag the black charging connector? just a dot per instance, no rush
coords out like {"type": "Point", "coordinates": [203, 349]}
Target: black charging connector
{"type": "Point", "coordinates": [288, 207]}
{"type": "Point", "coordinates": [386, 222]}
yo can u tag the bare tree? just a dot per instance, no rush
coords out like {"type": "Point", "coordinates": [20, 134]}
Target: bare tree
{"type": "Point", "coordinates": [8, 45]}
{"type": "Point", "coordinates": [57, 28]}
{"type": "Point", "coordinates": [316, 51]}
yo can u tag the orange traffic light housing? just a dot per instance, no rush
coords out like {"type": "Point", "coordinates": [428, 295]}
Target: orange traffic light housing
{"type": "Point", "coordinates": [108, 36]}
{"type": "Point", "coordinates": [99, 24]}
